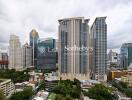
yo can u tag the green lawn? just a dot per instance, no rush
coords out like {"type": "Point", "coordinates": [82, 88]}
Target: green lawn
{"type": "Point", "coordinates": [51, 96]}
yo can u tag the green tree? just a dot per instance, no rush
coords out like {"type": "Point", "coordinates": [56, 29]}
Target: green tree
{"type": "Point", "coordinates": [17, 96]}
{"type": "Point", "coordinates": [16, 76]}
{"type": "Point", "coordinates": [59, 97]}
{"type": "Point", "coordinates": [123, 87]}
{"type": "Point", "coordinates": [42, 85]}
{"type": "Point", "coordinates": [100, 92]}
{"type": "Point", "coordinates": [23, 95]}
{"type": "Point", "coordinates": [68, 97]}
{"type": "Point", "coordinates": [68, 88]}
{"type": "Point", "coordinates": [76, 92]}
{"type": "Point", "coordinates": [2, 96]}
{"type": "Point", "coordinates": [113, 65]}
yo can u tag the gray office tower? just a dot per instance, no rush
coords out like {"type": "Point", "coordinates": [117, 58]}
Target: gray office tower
{"type": "Point", "coordinates": [26, 56]}
{"type": "Point", "coordinates": [73, 48]}
{"type": "Point", "coordinates": [98, 43]}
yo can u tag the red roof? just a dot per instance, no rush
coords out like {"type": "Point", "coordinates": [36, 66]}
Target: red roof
{"type": "Point", "coordinates": [4, 62]}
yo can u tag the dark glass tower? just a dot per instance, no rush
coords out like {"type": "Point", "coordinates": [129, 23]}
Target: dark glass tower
{"type": "Point", "coordinates": [46, 54]}
{"type": "Point", "coordinates": [126, 55]}
{"type": "Point", "coordinates": [33, 43]}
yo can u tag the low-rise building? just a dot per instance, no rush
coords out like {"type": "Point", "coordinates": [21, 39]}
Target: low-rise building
{"type": "Point", "coordinates": [41, 95]}
{"type": "Point", "coordinates": [21, 86]}
{"type": "Point", "coordinates": [127, 79]}
{"type": "Point", "coordinates": [51, 82]}
{"type": "Point", "coordinates": [86, 84]}
{"type": "Point", "coordinates": [7, 86]}
{"type": "Point", "coordinates": [64, 76]}
{"type": "Point", "coordinates": [36, 76]}
{"type": "Point", "coordinates": [118, 73]}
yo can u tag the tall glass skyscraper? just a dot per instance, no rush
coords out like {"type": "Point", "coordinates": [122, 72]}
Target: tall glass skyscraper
{"type": "Point", "coordinates": [126, 55]}
{"type": "Point", "coordinates": [98, 42]}
{"type": "Point", "coordinates": [33, 43]}
{"type": "Point", "coordinates": [46, 54]}
{"type": "Point", "coordinates": [72, 45]}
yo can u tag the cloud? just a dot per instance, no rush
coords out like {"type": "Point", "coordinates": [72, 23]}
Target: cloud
{"type": "Point", "coordinates": [20, 16]}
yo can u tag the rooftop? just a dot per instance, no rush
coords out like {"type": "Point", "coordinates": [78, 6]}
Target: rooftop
{"type": "Point", "coordinates": [66, 19]}
{"type": "Point", "coordinates": [4, 80]}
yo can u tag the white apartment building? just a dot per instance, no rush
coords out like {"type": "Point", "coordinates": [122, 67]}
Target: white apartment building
{"type": "Point", "coordinates": [7, 87]}
{"type": "Point", "coordinates": [127, 79]}
{"type": "Point", "coordinates": [15, 54]}
{"type": "Point", "coordinates": [113, 56]}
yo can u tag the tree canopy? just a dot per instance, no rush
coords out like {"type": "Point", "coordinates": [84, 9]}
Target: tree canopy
{"type": "Point", "coordinates": [68, 89]}
{"type": "Point", "coordinates": [23, 95]}
{"type": "Point", "coordinates": [123, 87]}
{"type": "Point", "coordinates": [42, 85]}
{"type": "Point", "coordinates": [15, 76]}
{"type": "Point", "coordinates": [99, 92]}
{"type": "Point", "coordinates": [2, 96]}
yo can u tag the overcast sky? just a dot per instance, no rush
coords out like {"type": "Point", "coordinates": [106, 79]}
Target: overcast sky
{"type": "Point", "coordinates": [20, 16]}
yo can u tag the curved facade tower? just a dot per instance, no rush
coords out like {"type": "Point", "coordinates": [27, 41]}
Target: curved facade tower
{"type": "Point", "coordinates": [73, 40]}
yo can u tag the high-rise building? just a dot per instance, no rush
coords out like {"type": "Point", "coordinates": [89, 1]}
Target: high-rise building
{"type": "Point", "coordinates": [33, 43]}
{"type": "Point", "coordinates": [113, 56]}
{"type": "Point", "coordinates": [15, 56]}
{"type": "Point", "coordinates": [126, 55]}
{"type": "Point", "coordinates": [98, 43]}
{"type": "Point", "coordinates": [26, 56]}
{"type": "Point", "coordinates": [113, 59]}
{"type": "Point", "coordinates": [73, 48]}
{"type": "Point", "coordinates": [56, 45]}
{"type": "Point", "coordinates": [3, 60]}
{"type": "Point", "coordinates": [46, 56]}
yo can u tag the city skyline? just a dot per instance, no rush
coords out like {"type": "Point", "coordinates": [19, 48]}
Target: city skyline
{"type": "Point", "coordinates": [19, 17]}
{"type": "Point", "coordinates": [65, 49]}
